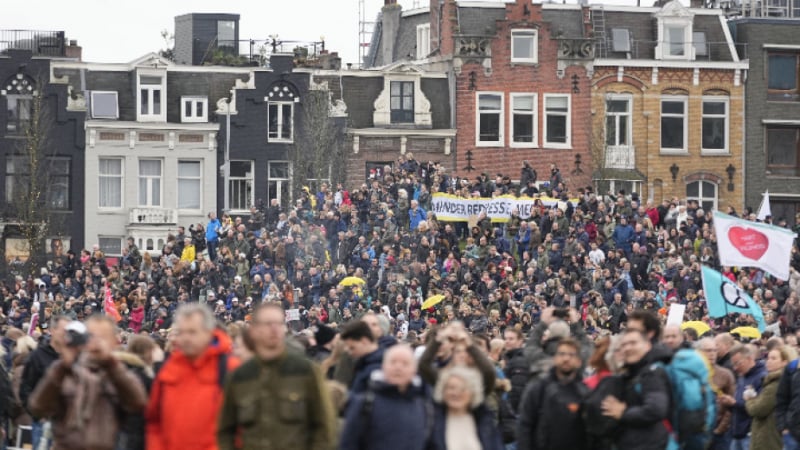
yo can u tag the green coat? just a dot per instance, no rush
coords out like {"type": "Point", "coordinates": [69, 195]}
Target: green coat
{"type": "Point", "coordinates": [764, 431]}
{"type": "Point", "coordinates": [283, 404]}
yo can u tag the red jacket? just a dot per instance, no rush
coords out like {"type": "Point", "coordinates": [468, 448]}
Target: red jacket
{"type": "Point", "coordinates": [185, 399]}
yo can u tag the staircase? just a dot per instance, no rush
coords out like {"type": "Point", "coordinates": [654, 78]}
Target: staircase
{"type": "Point", "coordinates": [599, 30]}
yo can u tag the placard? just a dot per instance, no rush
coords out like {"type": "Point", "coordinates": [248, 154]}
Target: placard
{"type": "Point", "coordinates": [675, 315]}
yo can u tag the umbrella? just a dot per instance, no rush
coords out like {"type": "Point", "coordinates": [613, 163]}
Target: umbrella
{"type": "Point", "coordinates": [747, 332]}
{"type": "Point", "coordinates": [701, 327]}
{"type": "Point", "coordinates": [351, 281]}
{"type": "Point", "coordinates": [432, 301]}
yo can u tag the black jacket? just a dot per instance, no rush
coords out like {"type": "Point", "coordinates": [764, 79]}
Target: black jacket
{"type": "Point", "coordinates": [549, 414]}
{"type": "Point", "coordinates": [38, 363]}
{"type": "Point", "coordinates": [787, 406]}
{"type": "Point", "coordinates": [647, 396]}
{"type": "Point", "coordinates": [518, 372]}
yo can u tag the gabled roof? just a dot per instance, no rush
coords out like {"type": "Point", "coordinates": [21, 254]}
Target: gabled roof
{"type": "Point", "coordinates": [152, 60]}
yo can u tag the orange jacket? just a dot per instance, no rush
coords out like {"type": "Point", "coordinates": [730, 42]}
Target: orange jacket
{"type": "Point", "coordinates": [186, 398]}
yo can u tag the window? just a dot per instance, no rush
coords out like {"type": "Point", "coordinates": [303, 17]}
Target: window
{"type": "Point", "coordinates": [280, 116]}
{"type": "Point", "coordinates": [56, 188]}
{"type": "Point", "coordinates": [151, 98]}
{"type": "Point", "coordinates": [715, 125]}
{"type": "Point", "coordinates": [705, 192]}
{"type": "Point", "coordinates": [241, 185]}
{"type": "Point", "coordinates": [673, 124]}
{"type": "Point", "coordinates": [490, 118]}
{"type": "Point", "coordinates": [618, 122]}
{"type": "Point", "coordinates": [110, 186]}
{"type": "Point", "coordinates": [401, 101]}
{"type": "Point", "coordinates": [675, 41]}
{"type": "Point", "coordinates": [110, 245]}
{"type": "Point", "coordinates": [783, 147]}
{"type": "Point", "coordinates": [782, 76]}
{"type": "Point", "coordinates": [557, 120]}
{"type": "Point", "coordinates": [524, 46]}
{"type": "Point", "coordinates": [523, 120]}
{"type": "Point", "coordinates": [226, 33]}
{"type": "Point", "coordinates": [194, 109]}
{"type": "Point", "coordinates": [699, 43]}
{"type": "Point", "coordinates": [19, 112]}
{"type": "Point", "coordinates": [150, 182]}
{"type": "Point", "coordinates": [189, 184]}
{"type": "Point", "coordinates": [621, 40]}
{"type": "Point", "coordinates": [104, 105]}
{"type": "Point", "coordinates": [423, 40]}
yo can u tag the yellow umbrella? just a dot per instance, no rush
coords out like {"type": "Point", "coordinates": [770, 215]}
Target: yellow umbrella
{"type": "Point", "coordinates": [748, 332]}
{"type": "Point", "coordinates": [351, 281]}
{"type": "Point", "coordinates": [700, 327]}
{"type": "Point", "coordinates": [432, 301]}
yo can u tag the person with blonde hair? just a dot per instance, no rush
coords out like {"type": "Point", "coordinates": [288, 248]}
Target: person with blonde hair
{"type": "Point", "coordinates": [761, 406]}
{"type": "Point", "coordinates": [462, 420]}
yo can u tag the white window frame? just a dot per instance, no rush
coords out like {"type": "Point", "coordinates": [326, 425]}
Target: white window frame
{"type": "Point", "coordinates": [534, 118]}
{"type": "Point", "coordinates": [559, 145]}
{"type": "Point", "coordinates": [280, 106]}
{"type": "Point", "coordinates": [534, 35]}
{"type": "Point", "coordinates": [629, 114]}
{"type": "Point", "coordinates": [150, 88]}
{"type": "Point", "coordinates": [190, 116]}
{"type": "Point", "coordinates": [700, 197]}
{"type": "Point", "coordinates": [251, 177]}
{"type": "Point", "coordinates": [500, 125]}
{"type": "Point", "coordinates": [665, 45]}
{"type": "Point", "coordinates": [423, 40]}
{"type": "Point", "coordinates": [121, 178]}
{"type": "Point", "coordinates": [198, 178]}
{"type": "Point", "coordinates": [119, 238]}
{"type": "Point", "coordinates": [150, 184]}
{"type": "Point", "coordinates": [116, 99]}
{"type": "Point", "coordinates": [674, 98]}
{"type": "Point", "coordinates": [716, 99]}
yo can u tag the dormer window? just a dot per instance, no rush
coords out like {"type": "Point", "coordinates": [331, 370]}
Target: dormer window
{"type": "Point", "coordinates": [152, 94]}
{"type": "Point", "coordinates": [675, 37]}
{"type": "Point", "coordinates": [675, 40]}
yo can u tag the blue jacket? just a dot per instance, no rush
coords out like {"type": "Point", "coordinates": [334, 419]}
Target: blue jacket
{"type": "Point", "coordinates": [394, 421]}
{"type": "Point", "coordinates": [363, 370]}
{"type": "Point", "coordinates": [623, 236]}
{"type": "Point", "coordinates": [212, 230]}
{"type": "Point", "coordinates": [740, 421]}
{"type": "Point", "coordinates": [488, 433]}
{"type": "Point", "coordinates": [415, 217]}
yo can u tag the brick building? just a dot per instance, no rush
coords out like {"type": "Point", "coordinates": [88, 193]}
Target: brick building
{"type": "Point", "coordinates": [668, 105]}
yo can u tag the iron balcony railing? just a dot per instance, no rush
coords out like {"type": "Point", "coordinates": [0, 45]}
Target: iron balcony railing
{"type": "Point", "coordinates": [41, 43]}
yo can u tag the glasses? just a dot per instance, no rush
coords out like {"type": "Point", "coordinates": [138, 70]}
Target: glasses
{"type": "Point", "coordinates": [567, 354]}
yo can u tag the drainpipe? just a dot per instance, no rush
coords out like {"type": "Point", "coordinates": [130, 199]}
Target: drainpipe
{"type": "Point", "coordinates": [226, 167]}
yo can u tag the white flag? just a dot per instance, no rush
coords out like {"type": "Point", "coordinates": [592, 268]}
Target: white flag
{"type": "Point", "coordinates": [764, 210]}
{"type": "Point", "coordinates": [751, 244]}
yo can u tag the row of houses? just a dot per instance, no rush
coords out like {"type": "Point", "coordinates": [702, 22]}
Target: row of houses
{"type": "Point", "coordinates": [666, 101]}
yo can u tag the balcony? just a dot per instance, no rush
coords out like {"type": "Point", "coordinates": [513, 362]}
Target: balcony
{"type": "Point", "coordinates": [41, 43]}
{"type": "Point", "coordinates": [773, 9]}
{"type": "Point", "coordinates": [620, 157]}
{"type": "Point", "coordinates": [153, 216]}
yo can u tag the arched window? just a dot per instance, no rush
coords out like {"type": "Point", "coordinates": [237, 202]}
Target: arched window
{"type": "Point", "coordinates": [705, 192]}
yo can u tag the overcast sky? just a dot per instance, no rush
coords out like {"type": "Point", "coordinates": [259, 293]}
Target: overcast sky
{"type": "Point", "coordinates": [123, 30]}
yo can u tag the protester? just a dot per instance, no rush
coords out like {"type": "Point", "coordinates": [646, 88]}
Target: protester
{"type": "Point", "coordinates": [761, 406]}
{"type": "Point", "coordinates": [186, 394]}
{"type": "Point", "coordinates": [277, 399]}
{"type": "Point", "coordinates": [751, 374]}
{"type": "Point", "coordinates": [74, 390]}
{"type": "Point", "coordinates": [362, 346]}
{"type": "Point", "coordinates": [724, 384]}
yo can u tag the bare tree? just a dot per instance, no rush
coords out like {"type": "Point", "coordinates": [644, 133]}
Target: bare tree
{"type": "Point", "coordinates": [319, 148]}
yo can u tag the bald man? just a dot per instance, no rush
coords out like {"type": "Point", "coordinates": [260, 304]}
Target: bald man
{"type": "Point", "coordinates": [672, 337]}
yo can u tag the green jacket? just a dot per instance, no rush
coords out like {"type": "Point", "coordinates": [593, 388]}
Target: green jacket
{"type": "Point", "coordinates": [280, 404]}
{"type": "Point", "coordinates": [764, 431]}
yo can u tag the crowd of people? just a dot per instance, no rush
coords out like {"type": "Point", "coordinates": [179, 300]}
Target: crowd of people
{"type": "Point", "coordinates": [302, 326]}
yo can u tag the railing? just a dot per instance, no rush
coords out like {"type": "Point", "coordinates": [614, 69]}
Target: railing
{"type": "Point", "coordinates": [620, 157]}
{"type": "Point", "coordinates": [153, 216]}
{"type": "Point", "coordinates": [41, 43]}
{"type": "Point", "coordinates": [703, 51]}
{"type": "Point", "coordinates": [775, 9]}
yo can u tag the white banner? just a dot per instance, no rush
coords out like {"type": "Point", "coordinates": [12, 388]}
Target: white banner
{"type": "Point", "coordinates": [751, 244]}
{"type": "Point", "coordinates": [451, 208]}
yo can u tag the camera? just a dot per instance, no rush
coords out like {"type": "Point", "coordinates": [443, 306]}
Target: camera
{"type": "Point", "coordinates": [76, 334]}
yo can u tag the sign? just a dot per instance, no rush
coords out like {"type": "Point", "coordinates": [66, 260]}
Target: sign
{"type": "Point", "coordinates": [751, 244]}
{"type": "Point", "coordinates": [675, 315]}
{"type": "Point", "coordinates": [292, 315]}
{"type": "Point", "coordinates": [452, 208]}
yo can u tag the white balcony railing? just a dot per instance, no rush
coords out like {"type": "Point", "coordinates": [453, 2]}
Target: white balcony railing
{"type": "Point", "coordinates": [153, 216]}
{"type": "Point", "coordinates": [620, 157]}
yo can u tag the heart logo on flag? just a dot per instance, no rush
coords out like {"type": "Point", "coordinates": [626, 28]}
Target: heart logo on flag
{"type": "Point", "coordinates": [751, 244]}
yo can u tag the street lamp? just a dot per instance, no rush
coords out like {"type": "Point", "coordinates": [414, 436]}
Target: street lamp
{"type": "Point", "coordinates": [673, 169]}
{"type": "Point", "coordinates": [731, 171]}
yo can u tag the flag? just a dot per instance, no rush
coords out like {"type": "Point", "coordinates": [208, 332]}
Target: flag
{"type": "Point", "coordinates": [764, 210]}
{"type": "Point", "coordinates": [109, 306]}
{"type": "Point", "coordinates": [751, 244]}
{"type": "Point", "coordinates": [723, 296]}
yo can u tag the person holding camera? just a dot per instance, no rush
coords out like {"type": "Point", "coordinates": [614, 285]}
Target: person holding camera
{"type": "Point", "coordinates": [88, 391]}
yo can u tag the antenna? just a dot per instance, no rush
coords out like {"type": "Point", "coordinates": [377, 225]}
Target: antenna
{"type": "Point", "coordinates": [365, 29]}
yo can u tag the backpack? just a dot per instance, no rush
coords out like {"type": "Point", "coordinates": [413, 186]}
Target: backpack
{"type": "Point", "coordinates": [598, 425]}
{"type": "Point", "coordinates": [693, 399]}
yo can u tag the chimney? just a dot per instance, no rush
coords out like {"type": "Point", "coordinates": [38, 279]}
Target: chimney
{"type": "Point", "coordinates": [330, 61]}
{"type": "Point", "coordinates": [73, 50]}
{"type": "Point", "coordinates": [390, 23]}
